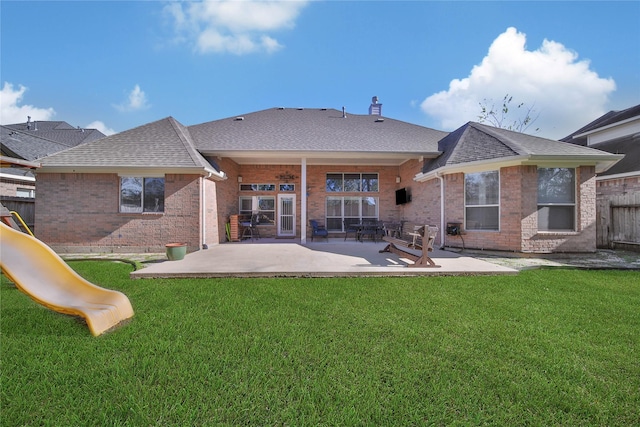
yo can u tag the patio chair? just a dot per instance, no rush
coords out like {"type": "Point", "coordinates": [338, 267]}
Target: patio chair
{"type": "Point", "coordinates": [318, 230]}
{"type": "Point", "coordinates": [371, 229]}
{"type": "Point", "coordinates": [250, 229]}
{"type": "Point", "coordinates": [350, 228]}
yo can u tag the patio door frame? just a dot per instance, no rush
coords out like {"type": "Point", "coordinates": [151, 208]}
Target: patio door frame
{"type": "Point", "coordinates": [284, 216]}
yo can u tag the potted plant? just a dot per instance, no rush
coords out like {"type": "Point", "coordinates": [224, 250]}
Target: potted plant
{"type": "Point", "coordinates": [176, 251]}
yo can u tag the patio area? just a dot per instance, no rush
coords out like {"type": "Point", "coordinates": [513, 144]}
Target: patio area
{"type": "Point", "coordinates": [322, 258]}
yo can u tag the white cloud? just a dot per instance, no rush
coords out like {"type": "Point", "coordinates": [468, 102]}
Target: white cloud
{"type": "Point", "coordinates": [101, 127]}
{"type": "Point", "coordinates": [136, 100]}
{"type": "Point", "coordinates": [232, 26]}
{"type": "Point", "coordinates": [11, 112]}
{"type": "Point", "coordinates": [564, 92]}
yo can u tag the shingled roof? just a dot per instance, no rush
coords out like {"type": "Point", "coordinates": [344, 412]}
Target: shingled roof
{"type": "Point", "coordinates": [164, 144]}
{"type": "Point", "coordinates": [475, 142]}
{"type": "Point", "coordinates": [314, 130]}
{"type": "Point", "coordinates": [605, 120]}
{"type": "Point", "coordinates": [58, 131]}
{"type": "Point", "coordinates": [27, 145]}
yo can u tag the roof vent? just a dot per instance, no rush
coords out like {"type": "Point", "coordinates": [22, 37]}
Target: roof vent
{"type": "Point", "coordinates": [300, 109]}
{"type": "Point", "coordinates": [375, 109]}
{"type": "Point", "coordinates": [239, 118]}
{"type": "Point", "coordinates": [344, 113]}
{"type": "Point", "coordinates": [379, 120]}
{"type": "Point", "coordinates": [280, 108]}
{"type": "Point", "coordinates": [323, 109]}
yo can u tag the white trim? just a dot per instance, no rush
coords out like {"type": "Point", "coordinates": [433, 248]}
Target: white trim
{"type": "Point", "coordinates": [137, 171]}
{"type": "Point", "coordinates": [17, 177]}
{"type": "Point", "coordinates": [619, 176]}
{"type": "Point", "coordinates": [609, 126]}
{"type": "Point", "coordinates": [303, 201]}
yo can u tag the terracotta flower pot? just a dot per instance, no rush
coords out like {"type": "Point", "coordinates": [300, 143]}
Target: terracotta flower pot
{"type": "Point", "coordinates": [176, 251]}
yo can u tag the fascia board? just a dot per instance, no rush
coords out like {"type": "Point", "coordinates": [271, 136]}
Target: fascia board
{"type": "Point", "coordinates": [136, 171]}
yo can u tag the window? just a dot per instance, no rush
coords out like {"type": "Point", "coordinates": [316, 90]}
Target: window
{"type": "Point", "coordinates": [25, 192]}
{"type": "Point", "coordinates": [556, 199]}
{"type": "Point", "coordinates": [352, 210]}
{"type": "Point", "coordinates": [265, 205]}
{"type": "Point", "coordinates": [141, 194]}
{"type": "Point", "coordinates": [352, 182]}
{"type": "Point", "coordinates": [287, 187]}
{"type": "Point", "coordinates": [482, 200]}
{"type": "Point", "coordinates": [257, 187]}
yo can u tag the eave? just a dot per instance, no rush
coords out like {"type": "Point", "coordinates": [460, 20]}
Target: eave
{"type": "Point", "coordinates": [320, 157]}
{"type": "Point", "coordinates": [137, 171]}
{"type": "Point", "coordinates": [601, 163]}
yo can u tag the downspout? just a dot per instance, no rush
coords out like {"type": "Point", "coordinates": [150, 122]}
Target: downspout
{"type": "Point", "coordinates": [303, 201]}
{"type": "Point", "coordinates": [203, 211]}
{"type": "Point", "coordinates": [442, 235]}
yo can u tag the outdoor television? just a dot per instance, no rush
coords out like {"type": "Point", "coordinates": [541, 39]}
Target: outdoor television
{"type": "Point", "coordinates": [402, 196]}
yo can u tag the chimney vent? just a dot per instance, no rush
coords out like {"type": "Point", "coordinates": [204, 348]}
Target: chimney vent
{"type": "Point", "coordinates": [375, 109]}
{"type": "Point", "coordinates": [344, 113]}
{"type": "Point", "coordinates": [28, 122]}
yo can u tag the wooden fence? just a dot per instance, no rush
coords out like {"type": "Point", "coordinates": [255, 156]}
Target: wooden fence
{"type": "Point", "coordinates": [618, 221]}
{"type": "Point", "coordinates": [25, 206]}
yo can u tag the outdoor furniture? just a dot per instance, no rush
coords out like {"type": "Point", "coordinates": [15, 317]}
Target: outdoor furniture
{"type": "Point", "coordinates": [250, 229]}
{"type": "Point", "coordinates": [422, 239]}
{"type": "Point", "coordinates": [318, 230]}
{"type": "Point", "coordinates": [392, 229]}
{"type": "Point", "coordinates": [351, 228]}
{"type": "Point", "coordinates": [372, 230]}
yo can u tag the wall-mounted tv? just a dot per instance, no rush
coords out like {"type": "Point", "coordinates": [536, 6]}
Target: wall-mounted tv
{"type": "Point", "coordinates": [402, 196]}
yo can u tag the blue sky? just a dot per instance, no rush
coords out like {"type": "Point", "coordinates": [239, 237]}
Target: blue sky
{"type": "Point", "coordinates": [116, 65]}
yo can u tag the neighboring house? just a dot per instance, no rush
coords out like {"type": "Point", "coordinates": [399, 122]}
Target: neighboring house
{"type": "Point", "coordinates": [618, 188]}
{"type": "Point", "coordinates": [24, 144]}
{"type": "Point", "coordinates": [164, 182]}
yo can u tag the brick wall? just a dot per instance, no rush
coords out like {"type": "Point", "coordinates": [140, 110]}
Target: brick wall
{"type": "Point", "coordinates": [80, 212]}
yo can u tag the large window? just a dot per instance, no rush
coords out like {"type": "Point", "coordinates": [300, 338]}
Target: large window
{"type": "Point", "coordinates": [264, 205]}
{"type": "Point", "coordinates": [352, 210]}
{"type": "Point", "coordinates": [352, 182]}
{"type": "Point", "coordinates": [139, 195]}
{"type": "Point", "coordinates": [482, 200]}
{"type": "Point", "coordinates": [556, 199]}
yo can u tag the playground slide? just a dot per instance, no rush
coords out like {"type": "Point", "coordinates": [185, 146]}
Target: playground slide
{"type": "Point", "coordinates": [40, 273]}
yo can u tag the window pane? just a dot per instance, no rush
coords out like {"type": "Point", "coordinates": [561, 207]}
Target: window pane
{"type": "Point", "coordinates": [482, 188]}
{"type": "Point", "coordinates": [154, 194]}
{"type": "Point", "coordinates": [351, 182]}
{"type": "Point", "coordinates": [556, 185]}
{"type": "Point", "coordinates": [130, 194]}
{"type": "Point", "coordinates": [369, 182]}
{"type": "Point", "coordinates": [266, 203]}
{"type": "Point", "coordinates": [287, 187]}
{"type": "Point", "coordinates": [334, 182]}
{"type": "Point", "coordinates": [370, 207]}
{"type": "Point", "coordinates": [352, 206]}
{"type": "Point", "coordinates": [334, 206]}
{"type": "Point", "coordinates": [482, 218]}
{"type": "Point", "coordinates": [556, 218]}
{"type": "Point", "coordinates": [334, 224]}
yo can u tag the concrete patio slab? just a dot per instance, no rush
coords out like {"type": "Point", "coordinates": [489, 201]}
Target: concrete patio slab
{"type": "Point", "coordinates": [332, 258]}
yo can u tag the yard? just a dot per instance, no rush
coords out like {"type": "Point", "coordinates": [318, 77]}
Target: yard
{"type": "Point", "coordinates": [545, 347]}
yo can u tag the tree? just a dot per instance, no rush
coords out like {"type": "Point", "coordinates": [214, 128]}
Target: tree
{"type": "Point", "coordinates": [500, 117]}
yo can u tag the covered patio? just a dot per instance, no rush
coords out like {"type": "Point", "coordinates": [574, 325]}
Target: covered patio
{"type": "Point", "coordinates": [331, 257]}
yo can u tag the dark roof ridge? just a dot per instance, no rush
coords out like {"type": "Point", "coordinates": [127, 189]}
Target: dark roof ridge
{"type": "Point", "coordinates": [185, 137]}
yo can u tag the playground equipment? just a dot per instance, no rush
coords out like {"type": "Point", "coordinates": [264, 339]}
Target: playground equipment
{"type": "Point", "coordinates": [41, 274]}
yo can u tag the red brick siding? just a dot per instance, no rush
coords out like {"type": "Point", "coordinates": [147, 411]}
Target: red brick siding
{"type": "Point", "coordinates": [80, 212]}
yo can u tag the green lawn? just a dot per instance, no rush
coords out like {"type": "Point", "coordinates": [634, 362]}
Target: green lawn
{"type": "Point", "coordinates": [546, 347]}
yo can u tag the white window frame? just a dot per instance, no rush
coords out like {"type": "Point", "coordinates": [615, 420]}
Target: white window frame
{"type": "Point", "coordinates": [552, 205]}
{"type": "Point", "coordinates": [360, 186]}
{"type": "Point", "coordinates": [256, 204]}
{"type": "Point", "coordinates": [342, 215]}
{"type": "Point", "coordinates": [482, 205]}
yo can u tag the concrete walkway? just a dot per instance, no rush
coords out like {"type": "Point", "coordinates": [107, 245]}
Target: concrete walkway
{"type": "Point", "coordinates": [332, 258]}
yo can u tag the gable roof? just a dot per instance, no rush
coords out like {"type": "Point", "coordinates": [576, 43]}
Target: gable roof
{"type": "Point", "coordinates": [476, 143]}
{"type": "Point", "coordinates": [27, 145]}
{"type": "Point", "coordinates": [607, 119]}
{"type": "Point", "coordinates": [164, 145]}
{"type": "Point", "coordinates": [58, 131]}
{"type": "Point", "coordinates": [315, 133]}
{"type": "Point", "coordinates": [630, 147]}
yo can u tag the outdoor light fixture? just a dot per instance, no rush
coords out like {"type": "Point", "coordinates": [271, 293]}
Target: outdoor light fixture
{"type": "Point", "coordinates": [239, 178]}
{"type": "Point", "coordinates": [397, 180]}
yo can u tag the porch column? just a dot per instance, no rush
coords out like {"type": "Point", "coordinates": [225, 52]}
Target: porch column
{"type": "Point", "coordinates": [303, 201]}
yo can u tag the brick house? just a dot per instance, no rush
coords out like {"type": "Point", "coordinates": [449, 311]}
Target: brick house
{"type": "Point", "coordinates": [165, 182]}
{"type": "Point", "coordinates": [618, 188]}
{"type": "Point", "coordinates": [22, 144]}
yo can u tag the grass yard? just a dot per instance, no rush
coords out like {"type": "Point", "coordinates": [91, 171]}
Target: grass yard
{"type": "Point", "coordinates": [546, 347]}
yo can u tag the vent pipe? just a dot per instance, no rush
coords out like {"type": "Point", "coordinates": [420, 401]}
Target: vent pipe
{"type": "Point", "coordinates": [344, 113]}
{"type": "Point", "coordinates": [28, 122]}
